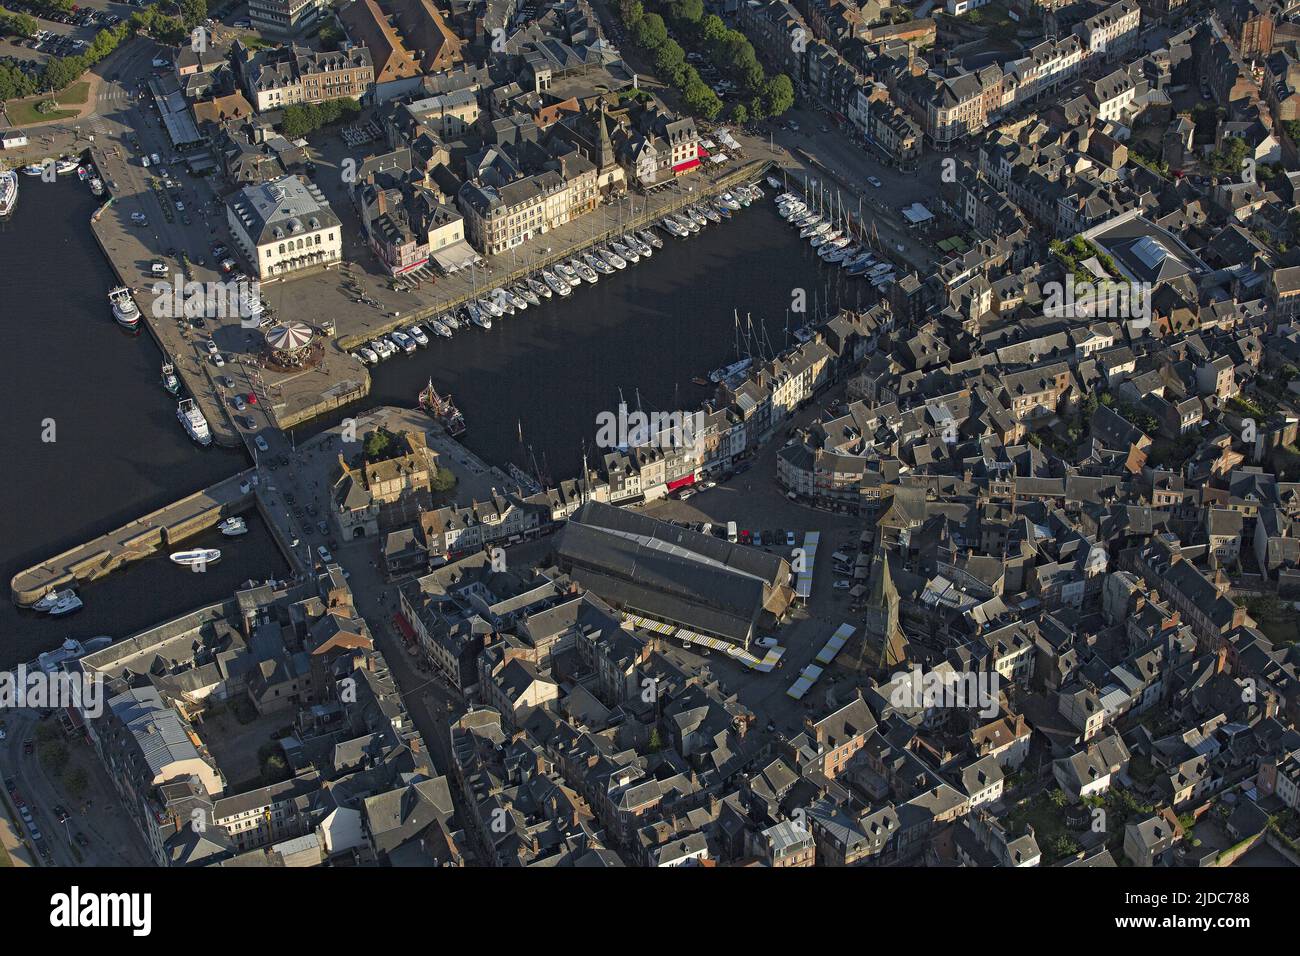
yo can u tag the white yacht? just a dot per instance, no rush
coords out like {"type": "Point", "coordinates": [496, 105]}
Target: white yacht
{"type": "Point", "coordinates": [528, 295]}
{"type": "Point", "coordinates": [195, 424]}
{"type": "Point", "coordinates": [367, 356]}
{"type": "Point", "coordinates": [563, 271]}
{"type": "Point", "coordinates": [674, 227]}
{"type": "Point", "coordinates": [632, 242]}
{"type": "Point", "coordinates": [491, 308]}
{"type": "Point", "coordinates": [450, 320]}
{"type": "Point", "coordinates": [539, 288]}
{"type": "Point", "coordinates": [631, 255]}
{"type": "Point", "coordinates": [440, 329]}
{"type": "Point", "coordinates": [585, 272]}
{"type": "Point", "coordinates": [597, 263]}
{"type": "Point", "coordinates": [233, 527]}
{"type": "Point", "coordinates": [648, 235]}
{"type": "Point", "coordinates": [613, 258]}
{"type": "Point", "coordinates": [125, 310]}
{"type": "Point", "coordinates": [558, 285]}
{"type": "Point", "coordinates": [8, 191]}
{"type": "Point", "coordinates": [480, 318]}
{"type": "Point", "coordinates": [417, 333]}
{"type": "Point", "coordinates": [199, 557]}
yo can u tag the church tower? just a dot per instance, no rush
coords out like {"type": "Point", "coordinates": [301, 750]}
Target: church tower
{"type": "Point", "coordinates": [884, 644]}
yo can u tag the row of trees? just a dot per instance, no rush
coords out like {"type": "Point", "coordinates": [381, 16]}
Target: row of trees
{"type": "Point", "coordinates": [728, 50]}
{"type": "Point", "coordinates": [303, 118]}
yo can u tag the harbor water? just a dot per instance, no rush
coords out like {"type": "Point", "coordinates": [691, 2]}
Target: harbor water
{"type": "Point", "coordinates": [118, 452]}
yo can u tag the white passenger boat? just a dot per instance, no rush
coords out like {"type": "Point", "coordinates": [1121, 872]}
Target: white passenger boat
{"type": "Point", "coordinates": [233, 526]}
{"type": "Point", "coordinates": [417, 333]}
{"type": "Point", "coordinates": [367, 356]}
{"type": "Point", "coordinates": [125, 310]}
{"type": "Point", "coordinates": [8, 191]}
{"type": "Point", "coordinates": [68, 605]}
{"type": "Point", "coordinates": [198, 557]}
{"type": "Point", "coordinates": [195, 424]}
{"type": "Point", "coordinates": [52, 598]}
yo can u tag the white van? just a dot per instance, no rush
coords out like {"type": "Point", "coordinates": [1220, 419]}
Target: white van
{"type": "Point", "coordinates": [731, 531]}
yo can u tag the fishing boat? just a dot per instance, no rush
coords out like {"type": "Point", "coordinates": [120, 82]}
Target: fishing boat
{"type": "Point", "coordinates": [612, 258]}
{"type": "Point", "coordinates": [233, 527]}
{"type": "Point", "coordinates": [52, 598]}
{"type": "Point", "coordinates": [728, 201]}
{"type": "Point", "coordinates": [195, 424]}
{"type": "Point", "coordinates": [557, 284]}
{"type": "Point", "coordinates": [170, 381]}
{"type": "Point", "coordinates": [440, 329]}
{"type": "Point", "coordinates": [197, 558]}
{"type": "Point", "coordinates": [597, 263]}
{"type": "Point", "coordinates": [743, 196]}
{"type": "Point", "coordinates": [585, 272]}
{"type": "Point", "coordinates": [539, 288]}
{"type": "Point", "coordinates": [528, 295]}
{"type": "Point", "coordinates": [124, 308]}
{"type": "Point", "coordinates": [365, 356]}
{"type": "Point", "coordinates": [381, 349]}
{"type": "Point", "coordinates": [35, 169]}
{"type": "Point", "coordinates": [647, 235]}
{"type": "Point", "coordinates": [443, 410]}
{"type": "Point", "coordinates": [755, 191]}
{"type": "Point", "coordinates": [83, 173]}
{"type": "Point", "coordinates": [96, 186]}
{"type": "Point", "coordinates": [8, 191]}
{"type": "Point", "coordinates": [68, 605]}
{"type": "Point", "coordinates": [631, 255]}
{"type": "Point", "coordinates": [563, 270]}
{"type": "Point", "coordinates": [65, 167]}
{"type": "Point", "coordinates": [723, 211]}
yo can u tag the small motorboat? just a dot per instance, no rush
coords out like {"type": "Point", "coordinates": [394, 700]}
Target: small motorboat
{"type": "Point", "coordinates": [197, 558]}
{"type": "Point", "coordinates": [367, 356]}
{"type": "Point", "coordinates": [68, 605]}
{"type": "Point", "coordinates": [233, 527]}
{"type": "Point", "coordinates": [417, 333]}
{"type": "Point", "coordinates": [53, 598]}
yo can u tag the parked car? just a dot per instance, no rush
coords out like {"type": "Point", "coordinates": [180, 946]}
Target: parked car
{"type": "Point", "coordinates": [843, 585]}
{"type": "Point", "coordinates": [239, 403]}
{"type": "Point", "coordinates": [324, 553]}
{"type": "Point", "coordinates": [874, 181]}
{"type": "Point", "coordinates": [261, 444]}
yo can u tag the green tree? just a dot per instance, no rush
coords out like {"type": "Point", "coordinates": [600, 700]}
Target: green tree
{"type": "Point", "coordinates": [651, 32]}
{"type": "Point", "coordinates": [193, 12]}
{"type": "Point", "coordinates": [687, 11]}
{"type": "Point", "coordinates": [712, 29]}
{"type": "Point", "coordinates": [631, 11]}
{"type": "Point", "coordinates": [779, 95]}
{"type": "Point", "coordinates": [739, 115]}
{"type": "Point", "coordinates": [670, 58]}
{"type": "Point", "coordinates": [376, 445]}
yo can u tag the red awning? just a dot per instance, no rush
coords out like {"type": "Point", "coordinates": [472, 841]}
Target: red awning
{"type": "Point", "coordinates": [403, 625]}
{"type": "Point", "coordinates": [683, 167]}
{"type": "Point", "coordinates": [681, 482]}
{"type": "Point", "coordinates": [704, 153]}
